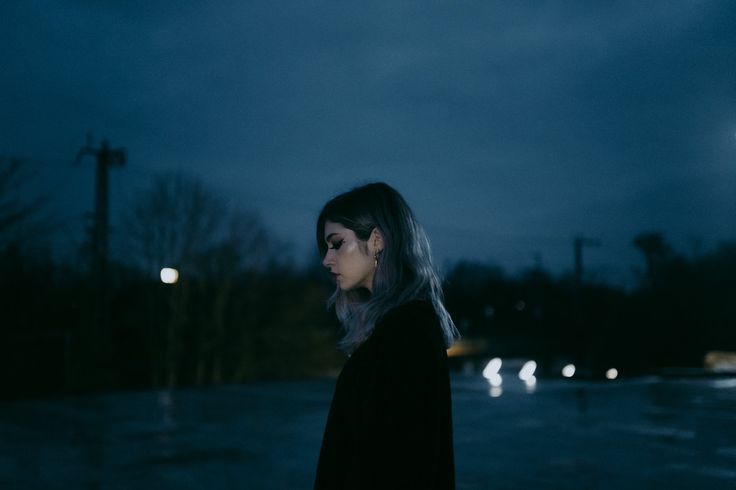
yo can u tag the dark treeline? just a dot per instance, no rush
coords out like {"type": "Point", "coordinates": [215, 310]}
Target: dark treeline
{"type": "Point", "coordinates": [196, 332]}
{"type": "Point", "coordinates": [239, 313]}
{"type": "Point", "coordinates": [681, 309]}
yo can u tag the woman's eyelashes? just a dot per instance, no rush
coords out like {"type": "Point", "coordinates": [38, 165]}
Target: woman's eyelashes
{"type": "Point", "coordinates": [337, 245]}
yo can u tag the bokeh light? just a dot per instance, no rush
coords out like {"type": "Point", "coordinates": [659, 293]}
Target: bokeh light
{"type": "Point", "coordinates": [169, 275]}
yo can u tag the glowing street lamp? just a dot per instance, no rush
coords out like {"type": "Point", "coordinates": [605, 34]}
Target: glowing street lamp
{"type": "Point", "coordinates": [527, 371]}
{"type": "Point", "coordinates": [526, 374]}
{"type": "Point", "coordinates": [169, 275]}
{"type": "Point", "coordinates": [568, 371]}
{"type": "Point", "coordinates": [491, 372]}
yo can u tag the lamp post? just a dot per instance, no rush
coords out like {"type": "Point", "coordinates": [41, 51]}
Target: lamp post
{"type": "Point", "coordinates": [174, 317]}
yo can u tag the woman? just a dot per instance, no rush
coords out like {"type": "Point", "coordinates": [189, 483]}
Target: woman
{"type": "Point", "coordinates": [390, 421]}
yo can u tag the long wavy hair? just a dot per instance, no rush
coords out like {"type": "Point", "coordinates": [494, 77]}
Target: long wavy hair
{"type": "Point", "coordinates": [405, 271]}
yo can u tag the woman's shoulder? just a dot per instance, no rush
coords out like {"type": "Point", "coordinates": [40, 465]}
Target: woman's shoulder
{"type": "Point", "coordinates": [415, 317]}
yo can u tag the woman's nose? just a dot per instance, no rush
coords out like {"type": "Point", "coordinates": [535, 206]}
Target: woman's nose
{"type": "Point", "coordinates": [327, 261]}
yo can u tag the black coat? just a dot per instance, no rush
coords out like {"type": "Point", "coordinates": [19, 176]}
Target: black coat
{"type": "Point", "coordinates": [390, 421]}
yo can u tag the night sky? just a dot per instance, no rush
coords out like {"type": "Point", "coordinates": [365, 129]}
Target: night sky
{"type": "Point", "coordinates": [509, 127]}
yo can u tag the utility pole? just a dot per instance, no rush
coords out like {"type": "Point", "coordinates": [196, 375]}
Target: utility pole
{"type": "Point", "coordinates": [106, 157]}
{"type": "Point", "coordinates": [578, 243]}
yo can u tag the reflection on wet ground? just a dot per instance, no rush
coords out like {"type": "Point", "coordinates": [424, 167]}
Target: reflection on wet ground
{"type": "Point", "coordinates": [636, 434]}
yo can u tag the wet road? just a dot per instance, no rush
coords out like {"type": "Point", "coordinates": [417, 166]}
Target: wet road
{"type": "Point", "coordinates": [645, 433]}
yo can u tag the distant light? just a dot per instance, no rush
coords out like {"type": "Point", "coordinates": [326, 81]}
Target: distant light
{"type": "Point", "coordinates": [490, 372]}
{"type": "Point", "coordinates": [720, 361]}
{"type": "Point", "coordinates": [169, 275]}
{"type": "Point", "coordinates": [495, 391]}
{"type": "Point", "coordinates": [527, 371]}
{"type": "Point", "coordinates": [568, 371]}
{"type": "Point", "coordinates": [492, 368]}
{"type": "Point", "coordinates": [612, 373]}
{"type": "Point", "coordinates": [531, 384]}
{"type": "Point", "coordinates": [489, 311]}
{"type": "Point", "coordinates": [520, 305]}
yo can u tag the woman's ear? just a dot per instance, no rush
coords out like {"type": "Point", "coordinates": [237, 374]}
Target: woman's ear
{"type": "Point", "coordinates": [376, 240]}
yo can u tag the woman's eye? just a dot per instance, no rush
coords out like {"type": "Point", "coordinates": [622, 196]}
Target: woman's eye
{"type": "Point", "coordinates": [336, 245]}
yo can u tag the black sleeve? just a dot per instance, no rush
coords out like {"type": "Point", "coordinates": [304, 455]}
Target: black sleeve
{"type": "Point", "coordinates": [398, 433]}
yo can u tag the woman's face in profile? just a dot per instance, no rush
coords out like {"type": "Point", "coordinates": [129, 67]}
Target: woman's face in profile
{"type": "Point", "coordinates": [345, 260]}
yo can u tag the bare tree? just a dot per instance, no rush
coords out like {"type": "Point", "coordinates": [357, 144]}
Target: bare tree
{"type": "Point", "coordinates": [180, 223]}
{"type": "Point", "coordinates": [19, 207]}
{"type": "Point", "coordinates": [175, 219]}
{"type": "Point", "coordinates": [243, 247]}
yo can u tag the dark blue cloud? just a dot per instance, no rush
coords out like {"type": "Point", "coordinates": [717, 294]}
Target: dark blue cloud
{"type": "Point", "coordinates": [509, 126]}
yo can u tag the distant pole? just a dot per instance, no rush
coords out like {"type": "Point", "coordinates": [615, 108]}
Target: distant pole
{"type": "Point", "coordinates": [578, 243]}
{"type": "Point", "coordinates": [106, 158]}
